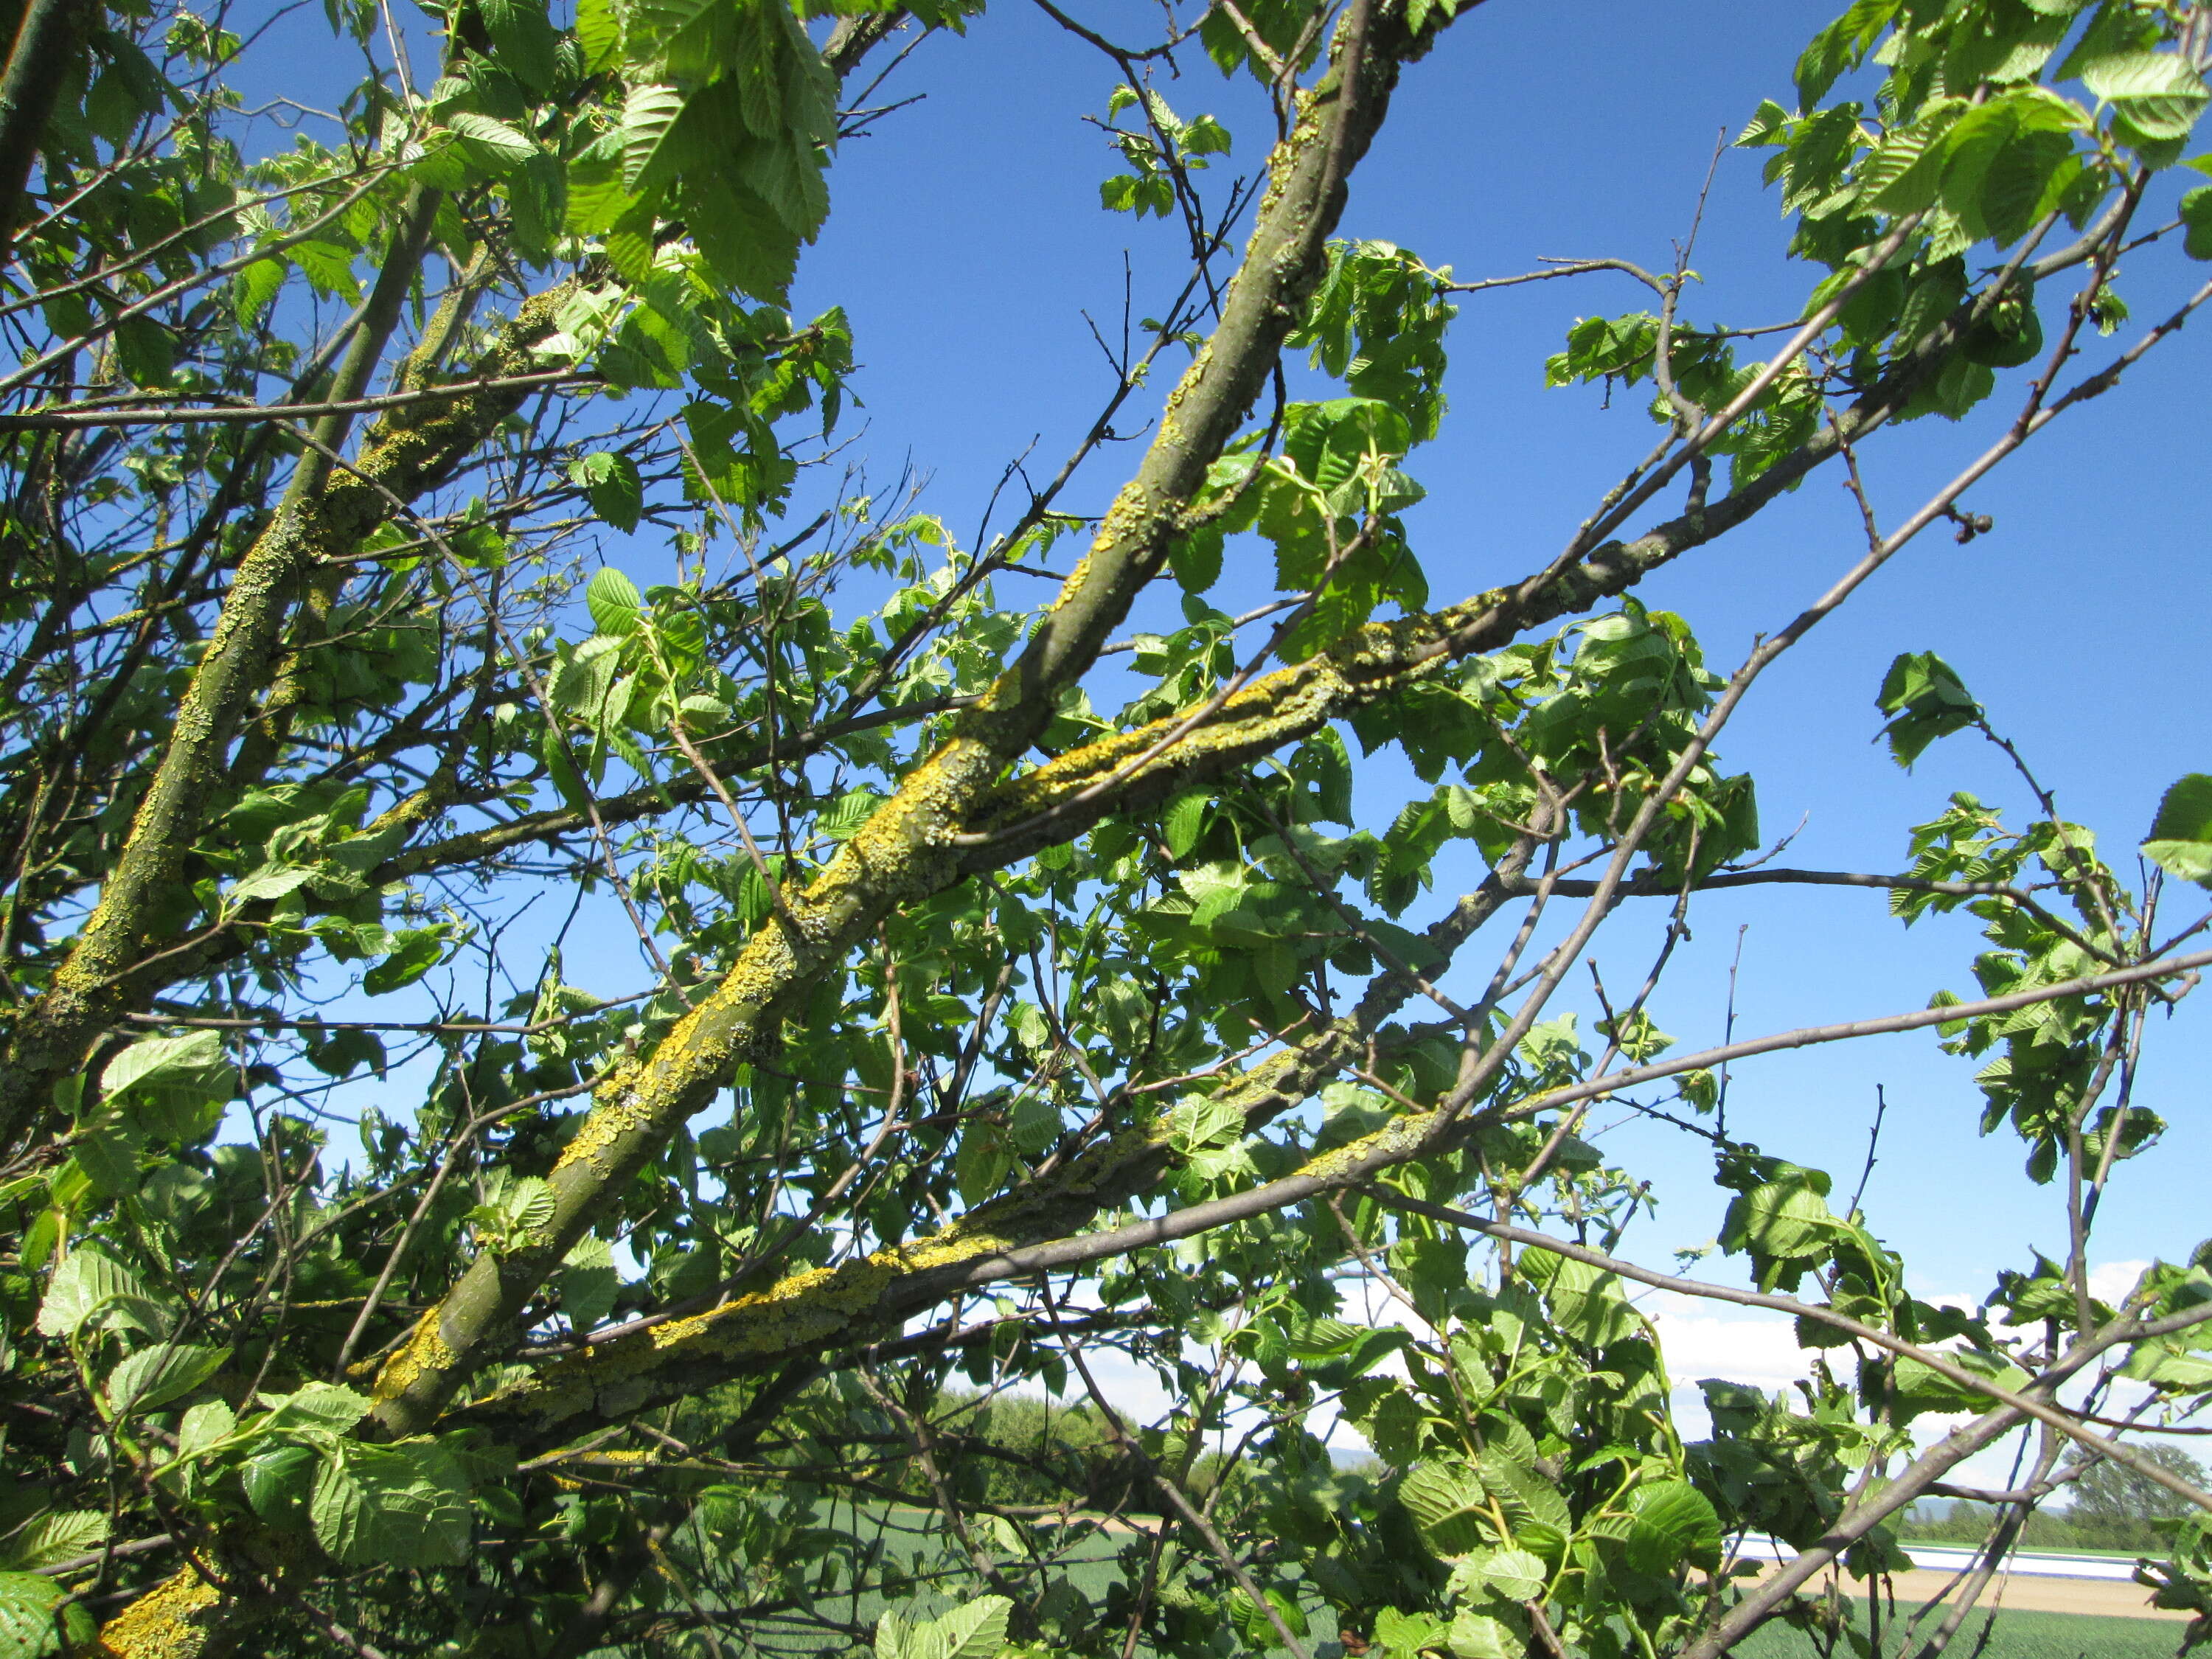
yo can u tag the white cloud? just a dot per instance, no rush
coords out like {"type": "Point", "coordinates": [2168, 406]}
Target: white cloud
{"type": "Point", "coordinates": [2111, 1281]}
{"type": "Point", "coordinates": [1759, 1349]}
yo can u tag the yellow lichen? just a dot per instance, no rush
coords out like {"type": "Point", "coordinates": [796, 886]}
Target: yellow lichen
{"type": "Point", "coordinates": [172, 1621]}
{"type": "Point", "coordinates": [425, 1350]}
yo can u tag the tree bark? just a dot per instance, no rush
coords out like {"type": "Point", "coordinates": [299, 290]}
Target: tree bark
{"type": "Point", "coordinates": [905, 852]}
{"type": "Point", "coordinates": [47, 40]}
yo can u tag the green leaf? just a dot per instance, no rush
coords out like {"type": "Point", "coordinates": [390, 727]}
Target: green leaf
{"type": "Point", "coordinates": [1184, 818]}
{"type": "Point", "coordinates": [403, 1505]}
{"type": "Point", "coordinates": [56, 1535]}
{"type": "Point", "coordinates": [1203, 1121]}
{"type": "Point", "coordinates": [1926, 699]}
{"type": "Point", "coordinates": [154, 1376]}
{"type": "Point", "coordinates": [1196, 558]}
{"type": "Point", "coordinates": [2157, 93]}
{"type": "Point", "coordinates": [843, 819]}
{"type": "Point", "coordinates": [106, 1150]}
{"type": "Point", "coordinates": [647, 115]}
{"type": "Point", "coordinates": [1479, 1636]}
{"type": "Point", "coordinates": [88, 1282]}
{"type": "Point", "coordinates": [1517, 1575]}
{"type": "Point", "coordinates": [414, 954]}
{"type": "Point", "coordinates": [975, 1630]}
{"type": "Point", "coordinates": [271, 883]}
{"type": "Point", "coordinates": [2141, 74]}
{"type": "Point", "coordinates": [254, 287]}
{"type": "Point", "coordinates": [523, 41]}
{"type": "Point", "coordinates": [1447, 1500]}
{"type": "Point", "coordinates": [561, 767]}
{"type": "Point", "coordinates": [1532, 1503]}
{"type": "Point", "coordinates": [1840, 46]}
{"type": "Point", "coordinates": [278, 1481]}
{"type": "Point", "coordinates": [614, 601]}
{"type": "Point", "coordinates": [2180, 839]}
{"type": "Point", "coordinates": [1787, 1218]}
{"type": "Point", "coordinates": [493, 145]}
{"type": "Point", "coordinates": [157, 1063]}
{"type": "Point", "coordinates": [2196, 215]}
{"type": "Point", "coordinates": [609, 482]}
{"type": "Point", "coordinates": [328, 267]}
{"type": "Point", "coordinates": [588, 1282]}
{"type": "Point", "coordinates": [1766, 126]}
{"type": "Point", "coordinates": [202, 1425]}
{"type": "Point", "coordinates": [1675, 1523]}
{"type": "Point", "coordinates": [171, 1088]}
{"type": "Point", "coordinates": [29, 1625]}
{"type": "Point", "coordinates": [1586, 1301]}
{"type": "Point", "coordinates": [599, 32]}
{"type": "Point", "coordinates": [329, 1407]}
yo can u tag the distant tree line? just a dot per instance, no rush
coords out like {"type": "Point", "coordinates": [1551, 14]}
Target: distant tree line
{"type": "Point", "coordinates": [2113, 1509]}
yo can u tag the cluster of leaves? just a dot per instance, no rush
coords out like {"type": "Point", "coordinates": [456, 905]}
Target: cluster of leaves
{"type": "Point", "coordinates": [1168, 148]}
{"type": "Point", "coordinates": [1991, 125]}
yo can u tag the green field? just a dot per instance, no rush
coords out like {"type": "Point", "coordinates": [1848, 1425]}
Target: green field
{"type": "Point", "coordinates": [2015, 1636]}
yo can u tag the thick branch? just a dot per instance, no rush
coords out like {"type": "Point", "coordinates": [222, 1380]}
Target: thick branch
{"type": "Point", "coordinates": [1014, 1237]}
{"type": "Point", "coordinates": [817, 1309]}
{"type": "Point", "coordinates": [404, 454]}
{"type": "Point", "coordinates": [49, 36]}
{"type": "Point", "coordinates": [902, 853]}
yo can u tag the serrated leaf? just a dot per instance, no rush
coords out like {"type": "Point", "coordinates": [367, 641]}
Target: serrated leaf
{"type": "Point", "coordinates": [2142, 75]}
{"type": "Point", "coordinates": [1926, 699]}
{"type": "Point", "coordinates": [2157, 95]}
{"type": "Point", "coordinates": [611, 483]}
{"type": "Point", "coordinates": [1447, 1501]}
{"type": "Point", "coordinates": [254, 287]}
{"type": "Point", "coordinates": [1201, 1121]}
{"type": "Point", "coordinates": [614, 601]}
{"type": "Point", "coordinates": [1184, 818]}
{"type": "Point", "coordinates": [56, 1535]}
{"type": "Point", "coordinates": [1675, 1523]}
{"type": "Point", "coordinates": [106, 1150]}
{"type": "Point", "coordinates": [494, 145]}
{"type": "Point", "coordinates": [158, 1061]}
{"type": "Point", "coordinates": [2180, 839]}
{"type": "Point", "coordinates": [588, 1282]}
{"type": "Point", "coordinates": [648, 114]}
{"type": "Point", "coordinates": [523, 41]}
{"type": "Point", "coordinates": [404, 1505]}
{"type": "Point", "coordinates": [1517, 1575]}
{"type": "Point", "coordinates": [278, 1481]}
{"type": "Point", "coordinates": [2196, 215]}
{"type": "Point", "coordinates": [529, 1203]}
{"type": "Point", "coordinates": [977, 1630]}
{"type": "Point", "coordinates": [414, 953]}
{"type": "Point", "coordinates": [329, 1407]}
{"type": "Point", "coordinates": [599, 32]}
{"type": "Point", "coordinates": [28, 1624]}
{"type": "Point", "coordinates": [273, 884]}
{"type": "Point", "coordinates": [1530, 1501]}
{"type": "Point", "coordinates": [203, 1425]}
{"type": "Point", "coordinates": [1479, 1636]}
{"type": "Point", "coordinates": [87, 1282]}
{"type": "Point", "coordinates": [152, 1377]}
